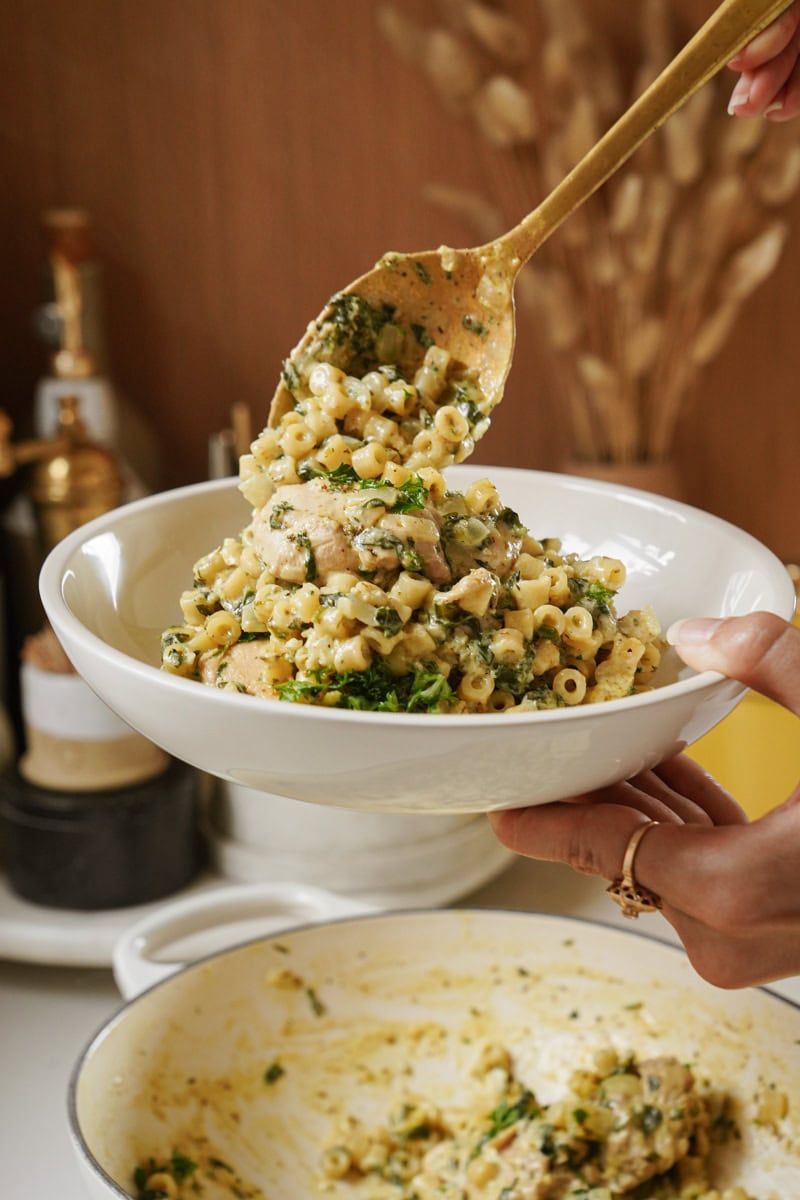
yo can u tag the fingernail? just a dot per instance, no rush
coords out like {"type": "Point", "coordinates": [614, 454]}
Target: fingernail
{"type": "Point", "coordinates": [692, 631]}
{"type": "Point", "coordinates": [776, 106]}
{"type": "Point", "coordinates": [740, 94]}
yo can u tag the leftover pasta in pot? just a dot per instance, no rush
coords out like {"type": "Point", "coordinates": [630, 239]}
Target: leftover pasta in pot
{"type": "Point", "coordinates": [363, 582]}
{"type": "Point", "coordinates": [641, 1129]}
{"type": "Point", "coordinates": [645, 1129]}
{"type": "Point", "coordinates": [397, 595]}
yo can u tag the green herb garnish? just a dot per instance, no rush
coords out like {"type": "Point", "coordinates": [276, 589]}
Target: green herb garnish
{"type": "Point", "coordinates": [374, 689]}
{"type": "Point", "coordinates": [421, 334]}
{"type": "Point", "coordinates": [317, 1007]}
{"type": "Point", "coordinates": [388, 620]}
{"type": "Point", "coordinates": [303, 540]}
{"type": "Point", "coordinates": [412, 494]}
{"type": "Point", "coordinates": [356, 323]}
{"type": "Point", "coordinates": [648, 1118]}
{"type": "Point", "coordinates": [278, 512]}
{"type": "Point", "coordinates": [474, 325]}
{"type": "Point", "coordinates": [505, 1115]}
{"type": "Point", "coordinates": [291, 376]}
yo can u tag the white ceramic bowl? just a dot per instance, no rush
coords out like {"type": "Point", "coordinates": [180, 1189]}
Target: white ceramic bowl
{"type": "Point", "coordinates": [435, 868]}
{"type": "Point", "coordinates": [110, 587]}
{"type": "Point", "coordinates": [294, 827]}
{"type": "Point", "coordinates": [393, 860]}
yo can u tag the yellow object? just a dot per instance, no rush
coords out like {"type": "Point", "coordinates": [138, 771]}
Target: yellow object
{"type": "Point", "coordinates": [754, 753]}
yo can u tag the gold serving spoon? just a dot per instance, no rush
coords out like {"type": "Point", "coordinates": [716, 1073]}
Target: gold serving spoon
{"type": "Point", "coordinates": [463, 299]}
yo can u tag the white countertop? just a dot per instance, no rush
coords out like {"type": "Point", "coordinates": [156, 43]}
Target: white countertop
{"type": "Point", "coordinates": [48, 1014]}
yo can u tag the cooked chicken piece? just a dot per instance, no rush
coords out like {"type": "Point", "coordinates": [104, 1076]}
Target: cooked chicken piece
{"type": "Point", "coordinates": [300, 534]}
{"type": "Point", "coordinates": [240, 663]}
{"type": "Point", "coordinates": [418, 535]}
{"type": "Point", "coordinates": [500, 552]}
{"type": "Point", "coordinates": [474, 543]}
{"type": "Point", "coordinates": [473, 593]}
{"type": "Point", "coordinates": [656, 1114]}
{"type": "Point", "coordinates": [308, 531]}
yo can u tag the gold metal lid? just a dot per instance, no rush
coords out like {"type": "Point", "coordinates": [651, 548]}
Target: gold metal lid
{"type": "Point", "coordinates": [78, 481]}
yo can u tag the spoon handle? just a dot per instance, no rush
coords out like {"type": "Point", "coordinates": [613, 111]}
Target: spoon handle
{"type": "Point", "coordinates": [729, 28]}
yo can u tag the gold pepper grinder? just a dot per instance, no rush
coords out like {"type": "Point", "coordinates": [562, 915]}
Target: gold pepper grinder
{"type": "Point", "coordinates": [76, 481]}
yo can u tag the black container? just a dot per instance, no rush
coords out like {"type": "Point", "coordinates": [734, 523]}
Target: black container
{"type": "Point", "coordinates": [97, 850]}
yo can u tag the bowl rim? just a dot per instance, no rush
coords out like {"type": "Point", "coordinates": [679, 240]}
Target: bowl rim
{"type": "Point", "coordinates": [56, 571]}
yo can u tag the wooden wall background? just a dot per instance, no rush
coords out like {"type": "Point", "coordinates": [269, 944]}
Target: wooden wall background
{"type": "Point", "coordinates": [242, 159]}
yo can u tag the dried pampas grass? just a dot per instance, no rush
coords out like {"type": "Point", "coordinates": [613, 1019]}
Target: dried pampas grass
{"type": "Point", "coordinates": [642, 287]}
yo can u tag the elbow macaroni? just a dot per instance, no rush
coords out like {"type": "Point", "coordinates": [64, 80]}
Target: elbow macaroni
{"type": "Point", "coordinates": [491, 641]}
{"type": "Point", "coordinates": [362, 582]}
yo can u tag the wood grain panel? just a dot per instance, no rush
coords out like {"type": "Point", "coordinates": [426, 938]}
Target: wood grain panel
{"type": "Point", "coordinates": [244, 158]}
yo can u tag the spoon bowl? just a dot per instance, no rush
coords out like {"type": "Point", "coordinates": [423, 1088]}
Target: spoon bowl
{"type": "Point", "coordinates": [447, 296]}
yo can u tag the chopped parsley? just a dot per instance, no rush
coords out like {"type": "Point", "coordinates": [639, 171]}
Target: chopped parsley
{"type": "Point", "coordinates": [291, 376]}
{"type": "Point", "coordinates": [274, 1072]}
{"type": "Point", "coordinates": [423, 273]}
{"type": "Point", "coordinates": [341, 477]}
{"type": "Point", "coordinates": [410, 495]}
{"type": "Point", "coordinates": [515, 677]}
{"type": "Point", "coordinates": [375, 689]}
{"type": "Point", "coordinates": [317, 1007]}
{"type": "Point", "coordinates": [593, 596]}
{"type": "Point", "coordinates": [278, 512]}
{"type": "Point", "coordinates": [505, 1115]}
{"type": "Point", "coordinates": [600, 595]}
{"type": "Point", "coordinates": [410, 558]}
{"type": "Point", "coordinates": [356, 321]}
{"type": "Point", "coordinates": [421, 334]}
{"type": "Point", "coordinates": [648, 1118]}
{"type": "Point", "coordinates": [304, 541]}
{"type": "Point", "coordinates": [474, 325]}
{"type": "Point", "coordinates": [548, 632]}
{"type": "Point", "coordinates": [179, 1166]}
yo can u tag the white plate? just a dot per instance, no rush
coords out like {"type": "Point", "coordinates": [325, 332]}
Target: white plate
{"type": "Point", "coordinates": [69, 938]}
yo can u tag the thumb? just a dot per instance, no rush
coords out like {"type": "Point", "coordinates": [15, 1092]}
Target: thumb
{"type": "Point", "coordinates": [760, 650]}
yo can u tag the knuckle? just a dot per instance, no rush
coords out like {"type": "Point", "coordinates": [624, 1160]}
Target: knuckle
{"type": "Point", "coordinates": [758, 642]}
{"type": "Point", "coordinates": [719, 967]}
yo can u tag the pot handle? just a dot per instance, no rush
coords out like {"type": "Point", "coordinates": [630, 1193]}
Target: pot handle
{"type": "Point", "coordinates": [269, 907]}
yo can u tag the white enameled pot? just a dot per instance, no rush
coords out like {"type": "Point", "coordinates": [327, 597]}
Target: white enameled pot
{"type": "Point", "coordinates": [358, 1008]}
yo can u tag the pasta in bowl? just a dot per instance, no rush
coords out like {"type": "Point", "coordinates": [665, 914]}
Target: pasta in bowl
{"type": "Point", "coordinates": [399, 594]}
{"type": "Point", "coordinates": [111, 589]}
